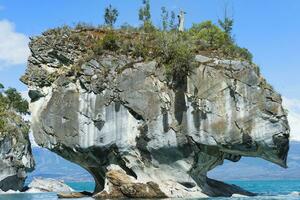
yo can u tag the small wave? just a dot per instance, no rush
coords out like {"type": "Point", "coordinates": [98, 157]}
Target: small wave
{"type": "Point", "coordinates": [294, 194]}
{"type": "Point", "coordinates": [9, 192]}
{"type": "Point", "coordinates": [291, 196]}
{"type": "Point", "coordinates": [238, 196]}
{"type": "Point", "coordinates": [34, 191]}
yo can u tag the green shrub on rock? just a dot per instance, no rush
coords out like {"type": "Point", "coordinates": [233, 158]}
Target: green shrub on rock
{"type": "Point", "coordinates": [11, 101]}
{"type": "Point", "coordinates": [172, 49]}
{"type": "Point", "coordinates": [209, 37]}
{"type": "Point", "coordinates": [15, 101]}
{"type": "Point", "coordinates": [176, 53]}
{"type": "Point", "coordinates": [108, 42]}
{"type": "Point", "coordinates": [209, 33]}
{"type": "Point", "coordinates": [243, 53]}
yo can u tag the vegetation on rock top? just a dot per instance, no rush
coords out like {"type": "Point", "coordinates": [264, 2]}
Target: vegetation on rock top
{"type": "Point", "coordinates": [12, 105]}
{"type": "Point", "coordinates": [174, 50]}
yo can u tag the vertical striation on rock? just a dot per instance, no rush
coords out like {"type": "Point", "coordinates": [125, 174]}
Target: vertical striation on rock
{"type": "Point", "coordinates": [118, 117]}
{"type": "Point", "coordinates": [15, 152]}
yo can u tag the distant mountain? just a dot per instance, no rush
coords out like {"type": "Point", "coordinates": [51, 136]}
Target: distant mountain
{"type": "Point", "coordinates": [50, 165]}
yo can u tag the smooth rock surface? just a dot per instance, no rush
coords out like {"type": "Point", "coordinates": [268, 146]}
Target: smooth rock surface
{"type": "Point", "coordinates": [74, 195]}
{"type": "Point", "coordinates": [48, 185]}
{"type": "Point", "coordinates": [129, 119]}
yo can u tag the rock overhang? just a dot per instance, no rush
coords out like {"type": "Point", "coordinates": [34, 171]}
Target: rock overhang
{"type": "Point", "coordinates": [124, 109]}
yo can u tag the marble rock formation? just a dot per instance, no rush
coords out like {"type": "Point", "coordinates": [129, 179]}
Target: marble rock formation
{"type": "Point", "coordinates": [39, 185]}
{"type": "Point", "coordinates": [15, 154]}
{"type": "Point", "coordinates": [139, 136]}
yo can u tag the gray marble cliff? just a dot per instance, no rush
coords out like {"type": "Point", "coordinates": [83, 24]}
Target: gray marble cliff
{"type": "Point", "coordinates": [117, 117]}
{"type": "Point", "coordinates": [15, 153]}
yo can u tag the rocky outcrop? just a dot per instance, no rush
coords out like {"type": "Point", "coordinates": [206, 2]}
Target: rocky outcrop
{"type": "Point", "coordinates": [48, 185]}
{"type": "Point", "coordinates": [120, 185]}
{"type": "Point", "coordinates": [15, 153]}
{"type": "Point", "coordinates": [140, 135]}
{"type": "Point", "coordinates": [74, 195]}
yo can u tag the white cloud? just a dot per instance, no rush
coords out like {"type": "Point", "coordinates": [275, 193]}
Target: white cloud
{"type": "Point", "coordinates": [293, 106]}
{"type": "Point", "coordinates": [13, 46]}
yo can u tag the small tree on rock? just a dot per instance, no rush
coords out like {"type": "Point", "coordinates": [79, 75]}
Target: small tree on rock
{"type": "Point", "coordinates": [144, 13]}
{"type": "Point", "coordinates": [110, 16]}
{"type": "Point", "coordinates": [165, 18]}
{"type": "Point", "coordinates": [172, 25]}
{"type": "Point", "coordinates": [226, 25]}
{"type": "Point", "coordinates": [227, 22]}
{"type": "Point", "coordinates": [14, 100]}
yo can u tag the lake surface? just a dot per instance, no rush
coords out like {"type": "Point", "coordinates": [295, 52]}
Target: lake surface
{"type": "Point", "coordinates": [267, 190]}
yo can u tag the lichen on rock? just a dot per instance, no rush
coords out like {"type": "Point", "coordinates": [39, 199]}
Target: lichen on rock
{"type": "Point", "coordinates": [139, 135]}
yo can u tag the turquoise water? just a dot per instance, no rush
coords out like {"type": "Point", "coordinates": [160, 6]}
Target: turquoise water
{"type": "Point", "coordinates": [282, 187]}
{"type": "Point", "coordinates": [82, 186]}
{"type": "Point", "coordinates": [267, 190]}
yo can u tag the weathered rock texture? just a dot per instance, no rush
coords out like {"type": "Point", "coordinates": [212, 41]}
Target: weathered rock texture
{"type": "Point", "coordinates": [120, 185]}
{"type": "Point", "coordinates": [15, 154]}
{"type": "Point", "coordinates": [48, 185]}
{"type": "Point", "coordinates": [120, 111]}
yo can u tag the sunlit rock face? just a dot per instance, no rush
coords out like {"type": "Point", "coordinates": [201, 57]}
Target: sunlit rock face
{"type": "Point", "coordinates": [15, 154]}
{"type": "Point", "coordinates": [120, 115]}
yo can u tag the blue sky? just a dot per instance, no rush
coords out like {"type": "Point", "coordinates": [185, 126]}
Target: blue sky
{"type": "Point", "coordinates": [270, 29]}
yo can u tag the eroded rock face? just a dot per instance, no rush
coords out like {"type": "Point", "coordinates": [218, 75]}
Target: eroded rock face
{"type": "Point", "coordinates": [39, 185]}
{"type": "Point", "coordinates": [121, 111]}
{"type": "Point", "coordinates": [15, 154]}
{"type": "Point", "coordinates": [120, 185]}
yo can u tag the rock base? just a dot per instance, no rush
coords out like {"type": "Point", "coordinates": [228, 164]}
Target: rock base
{"type": "Point", "coordinates": [120, 185]}
{"type": "Point", "coordinates": [74, 195]}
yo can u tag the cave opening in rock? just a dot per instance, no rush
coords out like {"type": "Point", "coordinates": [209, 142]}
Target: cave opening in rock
{"type": "Point", "coordinates": [256, 174]}
{"type": "Point", "coordinates": [247, 168]}
{"type": "Point", "coordinates": [51, 165]}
